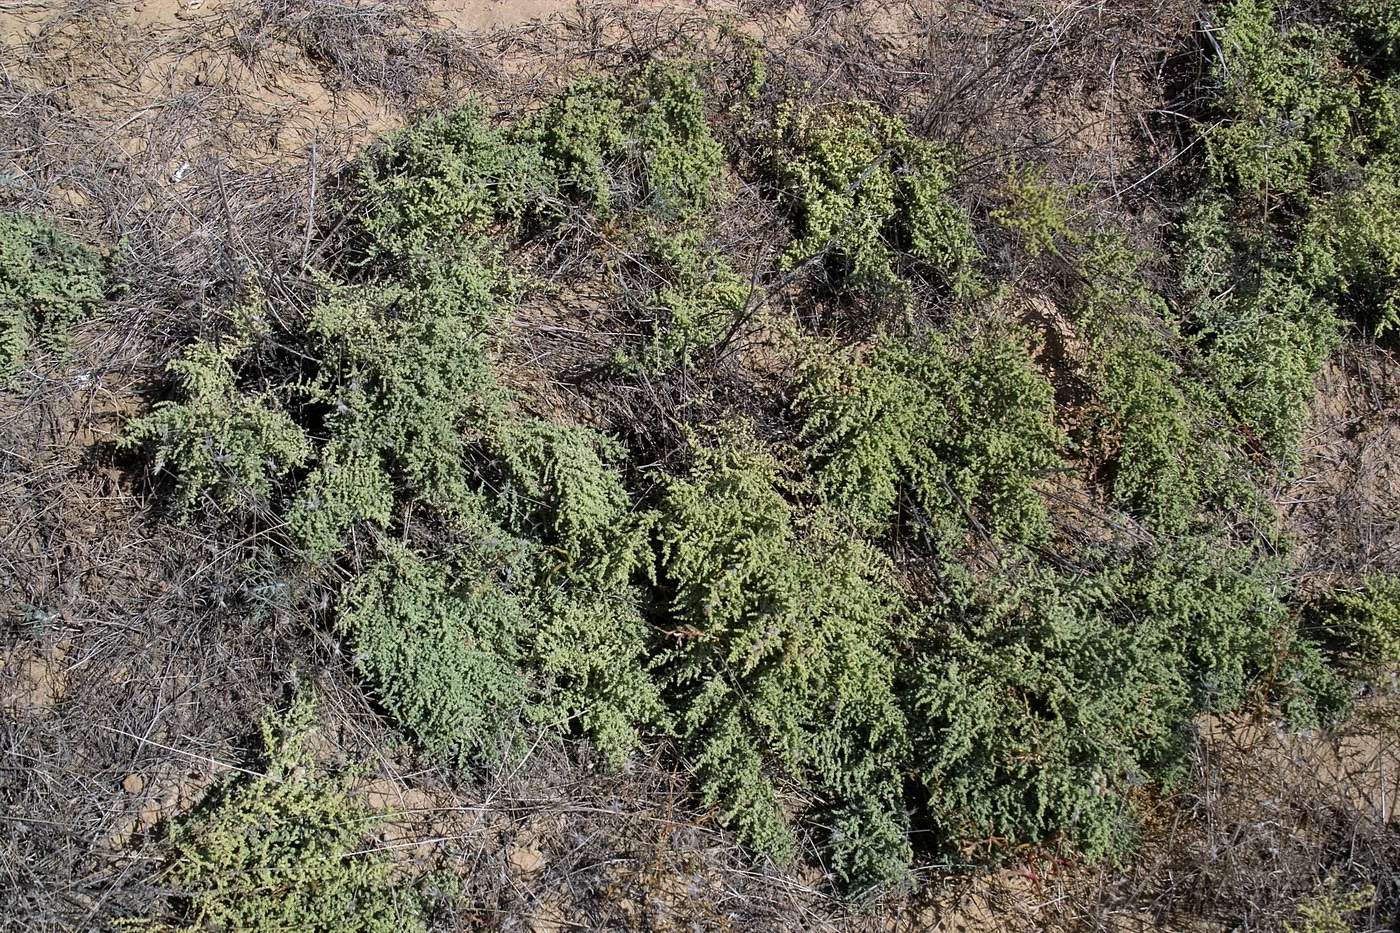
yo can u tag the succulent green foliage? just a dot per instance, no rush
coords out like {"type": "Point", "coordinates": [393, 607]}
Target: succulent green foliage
{"type": "Point", "coordinates": [558, 486]}
{"type": "Point", "coordinates": [1360, 628]}
{"type": "Point", "coordinates": [1043, 699]}
{"type": "Point", "coordinates": [440, 643]}
{"type": "Point", "coordinates": [1287, 99]}
{"type": "Point", "coordinates": [601, 133]}
{"type": "Point", "coordinates": [967, 431]}
{"type": "Point", "coordinates": [48, 283]}
{"type": "Point", "coordinates": [559, 483]}
{"type": "Point", "coordinates": [444, 179]}
{"type": "Point", "coordinates": [1330, 911]}
{"type": "Point", "coordinates": [681, 158]}
{"type": "Point", "coordinates": [1350, 248]}
{"type": "Point", "coordinates": [1264, 348]}
{"type": "Point", "coordinates": [578, 133]}
{"type": "Point", "coordinates": [1262, 327]}
{"type": "Point", "coordinates": [404, 376]}
{"type": "Point", "coordinates": [1151, 419]}
{"type": "Point", "coordinates": [782, 666]}
{"type": "Point", "coordinates": [696, 304]}
{"type": "Point", "coordinates": [1036, 210]}
{"type": "Point", "coordinates": [594, 652]}
{"type": "Point", "coordinates": [217, 438]}
{"type": "Point", "coordinates": [1309, 690]}
{"type": "Point", "coordinates": [284, 850]}
{"type": "Point", "coordinates": [864, 190]}
{"type": "Point", "coordinates": [1308, 128]}
{"type": "Point", "coordinates": [1153, 432]}
{"type": "Point", "coordinates": [1376, 32]}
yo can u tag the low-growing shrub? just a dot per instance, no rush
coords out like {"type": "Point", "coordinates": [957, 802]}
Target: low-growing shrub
{"type": "Point", "coordinates": [1287, 102]}
{"type": "Point", "coordinates": [48, 283]}
{"type": "Point", "coordinates": [1152, 434]}
{"type": "Point", "coordinates": [968, 431]}
{"type": "Point", "coordinates": [863, 190]}
{"type": "Point", "coordinates": [1035, 210]}
{"type": "Point", "coordinates": [696, 303]}
{"type": "Point", "coordinates": [781, 666]}
{"type": "Point", "coordinates": [1350, 248]}
{"type": "Point", "coordinates": [1360, 628]}
{"type": "Point", "coordinates": [1042, 699]}
{"type": "Point", "coordinates": [440, 644]}
{"type": "Point", "coordinates": [404, 377]}
{"type": "Point", "coordinates": [595, 654]}
{"type": "Point", "coordinates": [445, 179]}
{"type": "Point", "coordinates": [1329, 911]}
{"type": "Point", "coordinates": [559, 485]}
{"type": "Point", "coordinates": [645, 134]}
{"type": "Point", "coordinates": [1263, 348]}
{"type": "Point", "coordinates": [216, 438]}
{"type": "Point", "coordinates": [284, 850]}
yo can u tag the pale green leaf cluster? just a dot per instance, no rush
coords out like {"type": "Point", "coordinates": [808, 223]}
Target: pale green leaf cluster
{"type": "Point", "coordinates": [644, 135]}
{"type": "Point", "coordinates": [444, 179]}
{"type": "Point", "coordinates": [1036, 210]}
{"type": "Point", "coordinates": [284, 850]}
{"type": "Point", "coordinates": [1350, 246]}
{"type": "Point", "coordinates": [404, 378]}
{"type": "Point", "coordinates": [1359, 627]}
{"type": "Point", "coordinates": [439, 643]}
{"type": "Point", "coordinates": [1289, 101]}
{"type": "Point", "coordinates": [864, 191]}
{"type": "Point", "coordinates": [48, 283]}
{"type": "Point", "coordinates": [218, 439]}
{"type": "Point", "coordinates": [967, 431]}
{"type": "Point", "coordinates": [781, 666]}
{"type": "Point", "coordinates": [697, 302]}
{"type": "Point", "coordinates": [1043, 699]}
{"type": "Point", "coordinates": [560, 484]}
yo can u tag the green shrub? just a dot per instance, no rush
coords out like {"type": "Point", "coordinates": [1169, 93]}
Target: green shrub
{"type": "Point", "coordinates": [445, 179]}
{"type": "Point", "coordinates": [1037, 211]}
{"type": "Point", "coordinates": [1360, 629]}
{"type": "Point", "coordinates": [404, 378]}
{"type": "Point", "coordinates": [1330, 912]}
{"type": "Point", "coordinates": [1287, 102]}
{"type": "Point", "coordinates": [1037, 713]}
{"type": "Point", "coordinates": [594, 651]}
{"type": "Point", "coordinates": [465, 654]}
{"type": "Point", "coordinates": [782, 666]}
{"type": "Point", "coordinates": [1376, 25]}
{"type": "Point", "coordinates": [651, 124]}
{"type": "Point", "coordinates": [1309, 690]}
{"type": "Point", "coordinates": [1263, 347]}
{"type": "Point", "coordinates": [1150, 417]}
{"type": "Point", "coordinates": [863, 188]}
{"type": "Point", "coordinates": [1306, 126]}
{"type": "Point", "coordinates": [578, 133]}
{"type": "Point", "coordinates": [681, 158]}
{"type": "Point", "coordinates": [48, 283]}
{"type": "Point", "coordinates": [218, 439]}
{"type": "Point", "coordinates": [558, 484]}
{"type": "Point", "coordinates": [1153, 434]}
{"type": "Point", "coordinates": [1043, 699]}
{"type": "Point", "coordinates": [440, 645]}
{"type": "Point", "coordinates": [967, 431]}
{"type": "Point", "coordinates": [698, 301]}
{"type": "Point", "coordinates": [284, 850]}
{"type": "Point", "coordinates": [1261, 323]}
{"type": "Point", "coordinates": [1350, 246]}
